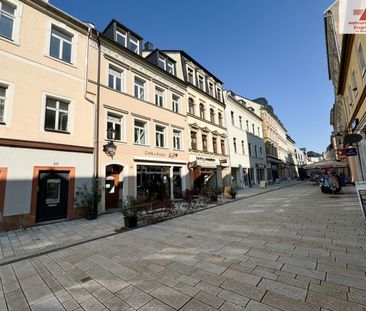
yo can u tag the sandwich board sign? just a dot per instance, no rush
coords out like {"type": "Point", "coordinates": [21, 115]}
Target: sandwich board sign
{"type": "Point", "coordinates": [361, 193]}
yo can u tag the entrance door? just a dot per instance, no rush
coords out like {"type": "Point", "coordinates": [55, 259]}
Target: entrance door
{"type": "Point", "coordinates": [113, 186]}
{"type": "Point", "coordinates": [52, 195]}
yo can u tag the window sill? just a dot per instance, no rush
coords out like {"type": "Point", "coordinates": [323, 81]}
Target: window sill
{"type": "Point", "coordinates": [11, 41]}
{"type": "Point", "coordinates": [116, 141]}
{"type": "Point", "coordinates": [56, 131]}
{"type": "Point", "coordinates": [141, 145]}
{"type": "Point", "coordinates": [2, 123]}
{"type": "Point", "coordinates": [60, 61]}
{"type": "Point", "coordinates": [165, 148]}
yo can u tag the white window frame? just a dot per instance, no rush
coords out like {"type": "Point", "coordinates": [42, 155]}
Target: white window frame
{"type": "Point", "coordinates": [123, 34]}
{"type": "Point", "coordinates": [243, 146]}
{"type": "Point", "coordinates": [160, 136]}
{"type": "Point", "coordinates": [75, 40]}
{"type": "Point", "coordinates": [203, 82]}
{"type": "Point", "coordinates": [176, 103]}
{"type": "Point", "coordinates": [162, 59]}
{"type": "Point", "coordinates": [240, 122]}
{"type": "Point", "coordinates": [122, 123]}
{"type": "Point", "coordinates": [350, 95]}
{"type": "Point", "coordinates": [3, 102]}
{"type": "Point", "coordinates": [190, 69]}
{"type": "Point", "coordinates": [136, 42]}
{"type": "Point", "coordinates": [159, 97]}
{"type": "Point", "coordinates": [170, 67]}
{"type": "Point", "coordinates": [18, 12]}
{"type": "Point", "coordinates": [218, 93]}
{"type": "Point", "coordinates": [361, 59]}
{"type": "Point", "coordinates": [8, 102]}
{"type": "Point", "coordinates": [145, 129]}
{"type": "Point", "coordinates": [210, 84]}
{"type": "Point", "coordinates": [121, 72]}
{"type": "Point", "coordinates": [62, 41]}
{"type": "Point", "coordinates": [69, 114]}
{"type": "Point", "coordinates": [143, 88]}
{"type": "Point", "coordinates": [179, 137]}
{"type": "Point", "coordinates": [354, 83]}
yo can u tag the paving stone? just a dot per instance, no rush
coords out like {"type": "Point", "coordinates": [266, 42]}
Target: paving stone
{"type": "Point", "coordinates": [211, 289]}
{"type": "Point", "coordinates": [304, 271]}
{"type": "Point", "coordinates": [134, 297]}
{"type": "Point", "coordinates": [155, 305]}
{"type": "Point", "coordinates": [92, 304]}
{"type": "Point", "coordinates": [102, 294]}
{"type": "Point", "coordinates": [228, 306]}
{"type": "Point", "coordinates": [116, 304]}
{"type": "Point", "coordinates": [357, 295]}
{"type": "Point", "coordinates": [170, 296]}
{"type": "Point", "coordinates": [70, 305]}
{"type": "Point", "coordinates": [233, 298]}
{"type": "Point", "coordinates": [327, 290]}
{"type": "Point", "coordinates": [195, 305]}
{"type": "Point", "coordinates": [186, 289]}
{"type": "Point", "coordinates": [286, 303]}
{"type": "Point", "coordinates": [332, 303]}
{"type": "Point", "coordinates": [244, 289]}
{"type": "Point", "coordinates": [346, 280]}
{"type": "Point", "coordinates": [48, 304]}
{"type": "Point", "coordinates": [241, 276]}
{"type": "Point", "coordinates": [210, 300]}
{"type": "Point", "coordinates": [283, 289]}
{"type": "Point", "coordinates": [257, 306]}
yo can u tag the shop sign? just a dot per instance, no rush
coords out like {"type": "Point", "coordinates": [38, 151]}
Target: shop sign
{"type": "Point", "coordinates": [155, 154]}
{"type": "Point", "coordinates": [351, 152]}
{"type": "Point", "coordinates": [223, 161]}
{"type": "Point", "coordinates": [341, 153]}
{"type": "Point", "coordinates": [203, 159]}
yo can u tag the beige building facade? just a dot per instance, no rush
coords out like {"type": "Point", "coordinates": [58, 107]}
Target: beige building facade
{"type": "Point", "coordinates": [46, 153]}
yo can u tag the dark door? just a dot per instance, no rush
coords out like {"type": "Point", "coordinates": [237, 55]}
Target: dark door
{"type": "Point", "coordinates": [112, 191]}
{"type": "Point", "coordinates": [52, 195]}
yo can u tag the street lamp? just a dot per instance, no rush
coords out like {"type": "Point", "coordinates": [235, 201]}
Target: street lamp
{"type": "Point", "coordinates": [110, 148]}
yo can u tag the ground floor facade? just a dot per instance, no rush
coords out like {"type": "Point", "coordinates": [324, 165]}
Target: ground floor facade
{"type": "Point", "coordinates": [244, 177]}
{"type": "Point", "coordinates": [39, 184]}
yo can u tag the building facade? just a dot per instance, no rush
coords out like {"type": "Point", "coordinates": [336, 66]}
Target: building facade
{"type": "Point", "coordinates": [292, 170]}
{"type": "Point", "coordinates": [246, 144]}
{"type": "Point", "coordinates": [46, 147]}
{"type": "Point", "coordinates": [208, 148]}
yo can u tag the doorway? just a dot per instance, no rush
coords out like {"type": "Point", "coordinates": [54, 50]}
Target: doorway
{"type": "Point", "coordinates": [52, 199]}
{"type": "Point", "coordinates": [113, 185]}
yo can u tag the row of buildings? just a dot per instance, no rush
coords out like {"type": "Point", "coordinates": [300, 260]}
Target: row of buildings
{"type": "Point", "coordinates": [347, 68]}
{"type": "Point", "coordinates": [78, 105]}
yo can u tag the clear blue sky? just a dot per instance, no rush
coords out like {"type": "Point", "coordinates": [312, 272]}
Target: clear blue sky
{"type": "Point", "coordinates": [267, 48]}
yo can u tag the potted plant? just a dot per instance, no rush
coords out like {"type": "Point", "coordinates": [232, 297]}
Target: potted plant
{"type": "Point", "coordinates": [89, 198]}
{"type": "Point", "coordinates": [129, 210]}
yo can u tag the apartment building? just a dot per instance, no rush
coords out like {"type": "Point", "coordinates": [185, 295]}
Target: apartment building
{"type": "Point", "coordinates": [142, 116]}
{"type": "Point", "coordinates": [46, 145]}
{"type": "Point", "coordinates": [208, 149]}
{"type": "Point", "coordinates": [246, 144]}
{"type": "Point", "coordinates": [291, 170]}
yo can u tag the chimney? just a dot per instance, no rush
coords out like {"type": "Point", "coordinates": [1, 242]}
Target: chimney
{"type": "Point", "coordinates": [148, 46]}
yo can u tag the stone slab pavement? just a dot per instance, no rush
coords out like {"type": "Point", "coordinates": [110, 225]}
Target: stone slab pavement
{"type": "Point", "coordinates": [291, 249]}
{"type": "Point", "coordinates": [25, 243]}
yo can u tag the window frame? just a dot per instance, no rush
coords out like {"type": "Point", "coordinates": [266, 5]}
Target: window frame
{"type": "Point", "coordinates": [204, 146]}
{"type": "Point", "coordinates": [138, 96]}
{"type": "Point", "coordinates": [220, 117]}
{"type": "Point", "coordinates": [202, 111]}
{"type": "Point", "coordinates": [145, 129]}
{"type": "Point", "coordinates": [62, 41]}
{"type": "Point", "coordinates": [234, 145]}
{"type": "Point", "coordinates": [214, 144]}
{"type": "Point", "coordinates": [161, 140]}
{"type": "Point", "coordinates": [122, 123]}
{"type": "Point", "coordinates": [361, 59]}
{"type": "Point", "coordinates": [222, 146]}
{"type": "Point", "coordinates": [10, 17]}
{"type": "Point", "coordinates": [191, 105]}
{"type": "Point", "coordinates": [354, 83]}
{"type": "Point", "coordinates": [159, 97]}
{"type": "Point", "coordinates": [194, 145]}
{"type": "Point", "coordinates": [243, 146]}
{"type": "Point", "coordinates": [190, 75]}
{"type": "Point", "coordinates": [137, 43]}
{"type": "Point", "coordinates": [179, 137]}
{"type": "Point", "coordinates": [212, 115]}
{"type": "Point", "coordinates": [116, 69]}
{"type": "Point", "coordinates": [18, 13]}
{"type": "Point", "coordinates": [170, 67]}
{"type": "Point", "coordinates": [176, 103]}
{"type": "Point", "coordinates": [201, 78]}
{"type": "Point", "coordinates": [69, 114]}
{"type": "Point", "coordinates": [123, 34]}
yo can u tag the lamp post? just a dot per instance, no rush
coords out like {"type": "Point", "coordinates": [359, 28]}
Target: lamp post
{"type": "Point", "coordinates": [110, 148]}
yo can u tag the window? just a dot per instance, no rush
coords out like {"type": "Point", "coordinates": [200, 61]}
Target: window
{"type": "Point", "coordinates": [350, 95]}
{"type": "Point", "coordinates": [200, 82]}
{"type": "Point", "coordinates": [222, 146]}
{"type": "Point", "coordinates": [160, 136]}
{"type": "Point", "coordinates": [220, 119]}
{"type": "Point", "coordinates": [115, 79]}
{"type": "Point", "coordinates": [247, 125]}
{"type": "Point", "coordinates": [250, 149]}
{"type": "Point", "coordinates": [162, 62]}
{"type": "Point", "coordinates": [361, 59]}
{"type": "Point", "coordinates": [259, 132]}
{"type": "Point", "coordinates": [232, 118]}
{"type": "Point", "coordinates": [121, 38]}
{"type": "Point", "coordinates": [214, 144]}
{"type": "Point", "coordinates": [354, 83]}
{"type": "Point", "coordinates": [140, 132]}
{"type": "Point", "coordinates": [204, 142]}
{"type": "Point", "coordinates": [7, 19]}
{"type": "Point", "coordinates": [255, 151]}
{"type": "Point", "coordinates": [242, 147]}
{"type": "Point", "coordinates": [114, 122]}
{"type": "Point", "coordinates": [234, 143]}
{"type": "Point", "coordinates": [202, 111]}
{"type": "Point", "coordinates": [253, 129]}
{"type": "Point", "coordinates": [57, 115]}
{"type": "Point", "coordinates": [170, 67]}
{"type": "Point", "coordinates": [3, 91]}
{"type": "Point", "coordinates": [139, 88]}
{"type": "Point", "coordinates": [194, 140]}
{"type": "Point", "coordinates": [61, 44]}
{"type": "Point", "coordinates": [134, 45]}
{"type": "Point", "coordinates": [175, 103]}
{"type": "Point", "coordinates": [159, 97]}
{"type": "Point", "coordinates": [260, 151]}
{"type": "Point", "coordinates": [210, 89]}
{"type": "Point", "coordinates": [177, 139]}
{"type": "Point", "coordinates": [218, 94]}
{"type": "Point", "coordinates": [240, 122]}
{"type": "Point", "coordinates": [190, 75]}
{"type": "Point", "coordinates": [212, 115]}
{"type": "Point", "coordinates": [190, 106]}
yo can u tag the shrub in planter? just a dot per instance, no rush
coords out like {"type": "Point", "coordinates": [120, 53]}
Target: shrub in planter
{"type": "Point", "coordinates": [129, 211]}
{"type": "Point", "coordinates": [89, 199]}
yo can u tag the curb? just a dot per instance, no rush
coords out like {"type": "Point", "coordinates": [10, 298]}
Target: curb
{"type": "Point", "coordinates": [56, 248]}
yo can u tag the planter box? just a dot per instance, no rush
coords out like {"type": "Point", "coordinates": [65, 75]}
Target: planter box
{"type": "Point", "coordinates": [90, 215]}
{"type": "Point", "coordinates": [130, 222]}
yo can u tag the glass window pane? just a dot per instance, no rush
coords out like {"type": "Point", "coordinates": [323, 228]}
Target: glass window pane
{"type": "Point", "coordinates": [66, 52]}
{"type": "Point", "coordinates": [51, 103]}
{"type": "Point", "coordinates": [50, 119]}
{"type": "Point", "coordinates": [2, 107]}
{"type": "Point", "coordinates": [6, 26]}
{"type": "Point", "coordinates": [62, 121]}
{"type": "Point", "coordinates": [64, 106]}
{"type": "Point", "coordinates": [110, 81]}
{"type": "Point", "coordinates": [61, 34]}
{"type": "Point", "coordinates": [55, 47]}
{"type": "Point", "coordinates": [117, 128]}
{"type": "Point", "coordinates": [53, 191]}
{"type": "Point", "coordinates": [109, 134]}
{"type": "Point", "coordinates": [139, 123]}
{"type": "Point", "coordinates": [2, 91]}
{"type": "Point", "coordinates": [118, 84]}
{"type": "Point", "coordinates": [8, 8]}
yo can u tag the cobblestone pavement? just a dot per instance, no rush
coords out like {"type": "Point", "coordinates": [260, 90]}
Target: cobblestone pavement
{"type": "Point", "coordinates": [292, 249]}
{"type": "Point", "coordinates": [19, 244]}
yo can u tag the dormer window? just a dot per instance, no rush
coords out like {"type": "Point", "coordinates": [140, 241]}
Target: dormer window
{"type": "Point", "coordinates": [218, 94]}
{"type": "Point", "coordinates": [190, 75]}
{"type": "Point", "coordinates": [121, 38]}
{"type": "Point", "coordinates": [162, 62]}
{"type": "Point", "coordinates": [211, 88]}
{"type": "Point", "coordinates": [170, 67]}
{"type": "Point", "coordinates": [200, 82]}
{"type": "Point", "coordinates": [134, 45]}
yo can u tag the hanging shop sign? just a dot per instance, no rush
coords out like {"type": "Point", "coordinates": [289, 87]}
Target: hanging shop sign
{"type": "Point", "coordinates": [203, 159]}
{"type": "Point", "coordinates": [350, 152]}
{"type": "Point", "coordinates": [341, 153]}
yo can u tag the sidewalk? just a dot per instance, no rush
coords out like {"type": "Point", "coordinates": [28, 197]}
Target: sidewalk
{"type": "Point", "coordinates": [16, 245]}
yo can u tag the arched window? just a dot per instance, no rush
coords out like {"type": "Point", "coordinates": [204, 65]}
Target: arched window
{"type": "Point", "coordinates": [202, 111]}
{"type": "Point", "coordinates": [190, 106]}
{"type": "Point", "coordinates": [212, 115]}
{"type": "Point", "coordinates": [220, 118]}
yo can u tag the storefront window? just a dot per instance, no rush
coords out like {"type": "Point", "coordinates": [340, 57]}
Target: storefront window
{"type": "Point", "coordinates": [153, 182]}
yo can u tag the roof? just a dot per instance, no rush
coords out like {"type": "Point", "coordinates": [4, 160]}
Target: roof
{"type": "Point", "coordinates": [193, 61]}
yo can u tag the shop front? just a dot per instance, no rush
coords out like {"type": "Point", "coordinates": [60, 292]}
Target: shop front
{"type": "Point", "coordinates": [260, 173]}
{"type": "Point", "coordinates": [207, 173]}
